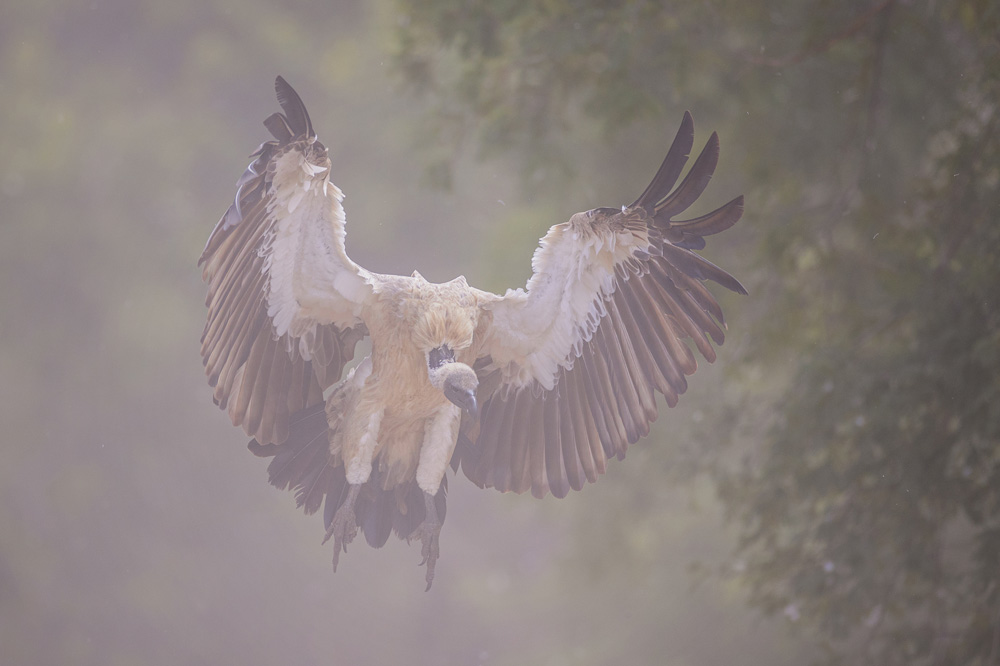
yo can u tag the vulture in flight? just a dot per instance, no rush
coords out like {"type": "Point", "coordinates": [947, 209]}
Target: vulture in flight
{"type": "Point", "coordinates": [532, 390]}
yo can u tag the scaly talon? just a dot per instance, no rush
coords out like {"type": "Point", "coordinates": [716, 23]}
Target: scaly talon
{"type": "Point", "coordinates": [430, 550]}
{"type": "Point", "coordinates": [428, 533]}
{"type": "Point", "coordinates": [344, 526]}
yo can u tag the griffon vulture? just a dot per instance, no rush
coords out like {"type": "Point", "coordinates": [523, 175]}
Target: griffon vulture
{"type": "Point", "coordinates": [533, 390]}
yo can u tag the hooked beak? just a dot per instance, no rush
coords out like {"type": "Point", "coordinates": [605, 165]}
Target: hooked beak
{"type": "Point", "coordinates": [463, 398]}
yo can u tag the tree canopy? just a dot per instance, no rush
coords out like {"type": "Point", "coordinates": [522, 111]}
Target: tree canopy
{"type": "Point", "coordinates": [837, 469]}
{"type": "Point", "coordinates": [867, 426]}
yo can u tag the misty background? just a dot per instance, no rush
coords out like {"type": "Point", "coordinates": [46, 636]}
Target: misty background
{"type": "Point", "coordinates": [827, 492]}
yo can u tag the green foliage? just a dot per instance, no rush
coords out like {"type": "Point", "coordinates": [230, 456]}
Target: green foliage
{"type": "Point", "coordinates": [521, 72]}
{"type": "Point", "coordinates": [136, 527]}
{"type": "Point", "coordinates": [863, 398]}
{"type": "Point", "coordinates": [850, 425]}
{"type": "Point", "coordinates": [876, 510]}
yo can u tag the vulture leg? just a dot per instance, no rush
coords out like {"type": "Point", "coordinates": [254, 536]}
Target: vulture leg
{"type": "Point", "coordinates": [428, 533]}
{"type": "Point", "coordinates": [344, 527]}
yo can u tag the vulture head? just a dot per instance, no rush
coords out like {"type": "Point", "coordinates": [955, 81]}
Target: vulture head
{"type": "Point", "coordinates": [456, 380]}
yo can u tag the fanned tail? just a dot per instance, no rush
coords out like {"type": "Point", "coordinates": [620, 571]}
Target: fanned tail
{"type": "Point", "coordinates": [304, 465]}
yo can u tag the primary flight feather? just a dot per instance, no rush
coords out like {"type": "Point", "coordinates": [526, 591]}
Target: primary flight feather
{"type": "Point", "coordinates": [533, 390]}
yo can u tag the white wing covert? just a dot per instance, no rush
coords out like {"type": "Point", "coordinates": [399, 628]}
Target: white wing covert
{"type": "Point", "coordinates": [569, 368]}
{"type": "Point", "coordinates": [283, 296]}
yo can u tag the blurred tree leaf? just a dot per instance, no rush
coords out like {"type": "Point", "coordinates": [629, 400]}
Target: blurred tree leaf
{"type": "Point", "coordinates": [868, 408]}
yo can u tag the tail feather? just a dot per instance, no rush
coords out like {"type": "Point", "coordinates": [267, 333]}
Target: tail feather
{"type": "Point", "coordinates": [304, 465]}
{"type": "Point", "coordinates": [410, 509]}
{"type": "Point", "coordinates": [405, 522]}
{"type": "Point", "coordinates": [374, 512]}
{"type": "Point", "coordinates": [319, 482]}
{"type": "Point", "coordinates": [292, 463]}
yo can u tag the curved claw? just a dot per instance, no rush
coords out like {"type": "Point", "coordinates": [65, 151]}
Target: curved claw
{"type": "Point", "coordinates": [428, 532]}
{"type": "Point", "coordinates": [430, 550]}
{"type": "Point", "coordinates": [344, 527]}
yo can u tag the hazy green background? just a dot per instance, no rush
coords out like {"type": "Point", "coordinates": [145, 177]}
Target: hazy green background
{"type": "Point", "coordinates": [828, 491]}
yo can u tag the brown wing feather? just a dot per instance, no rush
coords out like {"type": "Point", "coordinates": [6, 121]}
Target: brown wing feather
{"type": "Point", "coordinates": [259, 379]}
{"type": "Point", "coordinates": [603, 397]}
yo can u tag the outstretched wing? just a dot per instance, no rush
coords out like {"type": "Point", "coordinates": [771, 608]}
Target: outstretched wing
{"type": "Point", "coordinates": [571, 365]}
{"type": "Point", "coordinates": [283, 297]}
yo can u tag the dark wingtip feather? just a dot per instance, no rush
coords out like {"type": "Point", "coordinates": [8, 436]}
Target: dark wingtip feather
{"type": "Point", "coordinates": [295, 110]}
{"type": "Point", "coordinates": [670, 168]}
{"type": "Point", "coordinates": [701, 268]}
{"type": "Point", "coordinates": [262, 450]}
{"type": "Point", "coordinates": [277, 125]}
{"type": "Point", "coordinates": [694, 182]}
{"type": "Point", "coordinates": [690, 234]}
